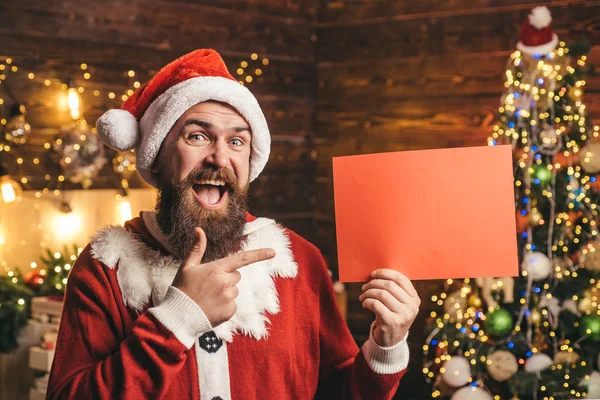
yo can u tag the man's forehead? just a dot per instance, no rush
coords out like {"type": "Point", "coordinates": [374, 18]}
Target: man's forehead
{"type": "Point", "coordinates": [199, 121]}
{"type": "Point", "coordinates": [215, 108]}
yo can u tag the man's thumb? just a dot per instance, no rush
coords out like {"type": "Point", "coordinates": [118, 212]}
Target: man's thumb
{"type": "Point", "coordinates": [199, 248]}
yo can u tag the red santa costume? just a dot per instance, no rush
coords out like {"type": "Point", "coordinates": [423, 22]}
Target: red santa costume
{"type": "Point", "coordinates": [127, 334]}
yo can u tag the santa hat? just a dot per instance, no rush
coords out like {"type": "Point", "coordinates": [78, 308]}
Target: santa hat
{"type": "Point", "coordinates": [145, 118]}
{"type": "Point", "coordinates": [536, 35]}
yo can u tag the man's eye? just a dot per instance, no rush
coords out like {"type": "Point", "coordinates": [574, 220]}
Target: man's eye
{"type": "Point", "coordinates": [197, 137]}
{"type": "Point", "coordinates": [236, 142]}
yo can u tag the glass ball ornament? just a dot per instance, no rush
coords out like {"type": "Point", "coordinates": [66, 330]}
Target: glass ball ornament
{"type": "Point", "coordinates": [498, 322]}
{"type": "Point", "coordinates": [17, 129]}
{"type": "Point", "coordinates": [522, 222]}
{"type": "Point", "coordinates": [80, 153]}
{"type": "Point", "coordinates": [455, 305]}
{"type": "Point", "coordinates": [592, 385]}
{"type": "Point", "coordinates": [502, 365]}
{"type": "Point", "coordinates": [589, 158]}
{"type": "Point", "coordinates": [535, 217]}
{"type": "Point", "coordinates": [589, 326]}
{"type": "Point", "coordinates": [33, 279]}
{"type": "Point", "coordinates": [535, 316]}
{"type": "Point", "coordinates": [538, 362]}
{"type": "Point", "coordinates": [537, 265]}
{"type": "Point", "coordinates": [586, 304]}
{"type": "Point", "coordinates": [471, 393]}
{"type": "Point", "coordinates": [566, 357]}
{"type": "Point", "coordinates": [474, 301]}
{"type": "Point", "coordinates": [457, 371]}
{"type": "Point", "coordinates": [590, 258]}
{"type": "Point", "coordinates": [549, 142]}
{"type": "Point", "coordinates": [543, 174]}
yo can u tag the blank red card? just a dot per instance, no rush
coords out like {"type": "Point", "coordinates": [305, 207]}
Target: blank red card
{"type": "Point", "coordinates": [431, 214]}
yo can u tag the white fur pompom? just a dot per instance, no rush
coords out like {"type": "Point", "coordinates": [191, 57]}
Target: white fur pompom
{"type": "Point", "coordinates": [118, 129]}
{"type": "Point", "coordinates": [540, 17]}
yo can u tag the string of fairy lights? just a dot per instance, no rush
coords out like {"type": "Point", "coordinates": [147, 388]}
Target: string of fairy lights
{"type": "Point", "coordinates": [247, 72]}
{"type": "Point", "coordinates": [463, 308]}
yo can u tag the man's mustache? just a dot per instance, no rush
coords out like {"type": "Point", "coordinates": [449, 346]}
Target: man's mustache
{"type": "Point", "coordinates": [202, 174]}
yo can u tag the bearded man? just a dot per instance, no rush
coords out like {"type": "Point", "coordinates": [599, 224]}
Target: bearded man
{"type": "Point", "coordinates": [200, 299]}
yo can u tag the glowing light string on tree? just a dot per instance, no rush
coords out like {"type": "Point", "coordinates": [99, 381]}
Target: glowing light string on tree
{"type": "Point", "coordinates": [530, 174]}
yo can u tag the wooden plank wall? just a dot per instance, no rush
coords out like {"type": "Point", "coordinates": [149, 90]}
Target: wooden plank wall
{"type": "Point", "coordinates": [345, 77]}
{"type": "Point", "coordinates": [407, 75]}
{"type": "Point", "coordinates": [52, 38]}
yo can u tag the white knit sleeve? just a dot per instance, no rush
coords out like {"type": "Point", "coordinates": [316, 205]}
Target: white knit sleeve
{"type": "Point", "coordinates": [386, 360]}
{"type": "Point", "coordinates": [182, 316]}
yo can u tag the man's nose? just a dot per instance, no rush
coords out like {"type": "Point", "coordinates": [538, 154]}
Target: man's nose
{"type": "Point", "coordinates": [218, 155]}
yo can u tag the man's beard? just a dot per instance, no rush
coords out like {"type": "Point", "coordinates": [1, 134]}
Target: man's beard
{"type": "Point", "coordinates": [179, 213]}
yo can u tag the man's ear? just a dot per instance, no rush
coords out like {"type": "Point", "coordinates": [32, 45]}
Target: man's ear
{"type": "Point", "coordinates": [154, 168]}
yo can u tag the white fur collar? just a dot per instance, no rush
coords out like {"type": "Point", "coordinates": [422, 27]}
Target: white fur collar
{"type": "Point", "coordinates": [144, 273]}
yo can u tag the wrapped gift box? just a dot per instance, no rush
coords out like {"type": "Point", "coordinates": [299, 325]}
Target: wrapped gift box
{"type": "Point", "coordinates": [46, 309]}
{"type": "Point", "coordinates": [40, 359]}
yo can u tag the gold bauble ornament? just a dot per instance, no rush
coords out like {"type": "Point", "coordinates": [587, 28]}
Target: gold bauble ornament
{"type": "Point", "coordinates": [535, 217]}
{"type": "Point", "coordinates": [566, 357]}
{"type": "Point", "coordinates": [535, 317]}
{"type": "Point", "coordinates": [475, 301]}
{"type": "Point", "coordinates": [575, 93]}
{"type": "Point", "coordinates": [455, 305]}
{"type": "Point", "coordinates": [587, 304]}
{"type": "Point", "coordinates": [591, 258]}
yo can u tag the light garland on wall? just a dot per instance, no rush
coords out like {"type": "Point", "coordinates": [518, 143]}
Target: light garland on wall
{"type": "Point", "coordinates": [123, 163]}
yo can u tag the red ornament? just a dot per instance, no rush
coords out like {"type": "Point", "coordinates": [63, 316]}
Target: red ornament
{"type": "Point", "coordinates": [566, 161]}
{"type": "Point", "coordinates": [33, 279]}
{"type": "Point", "coordinates": [522, 222]}
{"type": "Point", "coordinates": [48, 345]}
{"type": "Point", "coordinates": [574, 216]}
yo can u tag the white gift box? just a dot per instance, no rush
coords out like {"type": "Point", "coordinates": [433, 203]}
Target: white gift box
{"type": "Point", "coordinates": [44, 309]}
{"type": "Point", "coordinates": [40, 359]}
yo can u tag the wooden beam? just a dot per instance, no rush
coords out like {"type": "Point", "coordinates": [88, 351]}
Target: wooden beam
{"type": "Point", "coordinates": [445, 36]}
{"type": "Point", "coordinates": [369, 12]}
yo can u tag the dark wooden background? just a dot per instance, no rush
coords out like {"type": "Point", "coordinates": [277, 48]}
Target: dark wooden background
{"type": "Point", "coordinates": [345, 77]}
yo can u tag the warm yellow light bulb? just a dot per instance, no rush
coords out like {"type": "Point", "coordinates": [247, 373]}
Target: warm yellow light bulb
{"type": "Point", "coordinates": [125, 211]}
{"type": "Point", "coordinates": [10, 189]}
{"type": "Point", "coordinates": [8, 193]}
{"type": "Point", "coordinates": [74, 103]}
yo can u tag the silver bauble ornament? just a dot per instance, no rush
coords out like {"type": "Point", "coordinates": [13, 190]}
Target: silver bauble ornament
{"type": "Point", "coordinates": [589, 158]}
{"type": "Point", "coordinates": [503, 364]}
{"type": "Point", "coordinates": [471, 393]}
{"type": "Point", "coordinates": [80, 153]}
{"type": "Point", "coordinates": [537, 265]}
{"type": "Point", "coordinates": [457, 371]}
{"type": "Point", "coordinates": [17, 129]}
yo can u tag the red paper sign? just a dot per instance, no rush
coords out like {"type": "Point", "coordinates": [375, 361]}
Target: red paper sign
{"type": "Point", "coordinates": [431, 214]}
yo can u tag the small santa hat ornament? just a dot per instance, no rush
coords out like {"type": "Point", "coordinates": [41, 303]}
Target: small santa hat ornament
{"type": "Point", "coordinates": [145, 118]}
{"type": "Point", "coordinates": [536, 34]}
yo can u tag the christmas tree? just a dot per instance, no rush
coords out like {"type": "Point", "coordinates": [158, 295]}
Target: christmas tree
{"type": "Point", "coordinates": [536, 336]}
{"type": "Point", "coordinates": [17, 291]}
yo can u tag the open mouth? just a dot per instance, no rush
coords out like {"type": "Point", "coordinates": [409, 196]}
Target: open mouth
{"type": "Point", "coordinates": [211, 194]}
